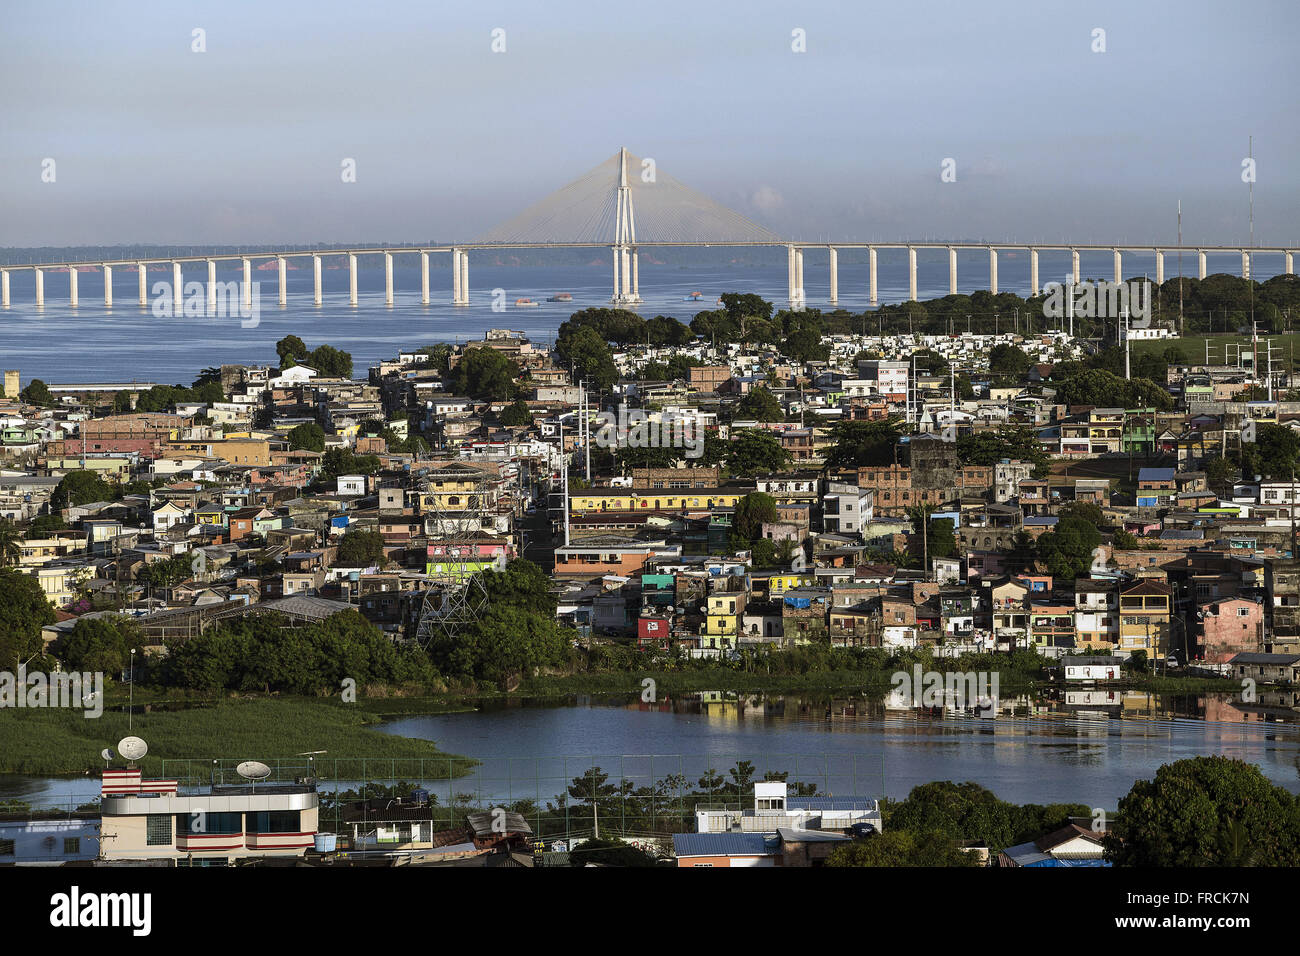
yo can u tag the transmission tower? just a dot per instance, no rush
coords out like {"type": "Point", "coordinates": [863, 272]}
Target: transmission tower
{"type": "Point", "coordinates": [455, 522]}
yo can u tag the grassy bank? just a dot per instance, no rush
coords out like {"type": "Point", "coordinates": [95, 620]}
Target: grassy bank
{"type": "Point", "coordinates": [55, 742]}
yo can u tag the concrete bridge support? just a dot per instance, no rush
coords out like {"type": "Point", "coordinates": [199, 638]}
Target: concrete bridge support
{"type": "Point", "coordinates": [40, 289]}
{"type": "Point", "coordinates": [72, 286]}
{"type": "Point", "coordinates": [388, 278]}
{"type": "Point", "coordinates": [1033, 272]}
{"type": "Point", "coordinates": [790, 287]}
{"type": "Point", "coordinates": [316, 280]}
{"type": "Point", "coordinates": [1245, 264]}
{"type": "Point", "coordinates": [1119, 266]}
{"type": "Point", "coordinates": [108, 287]}
{"type": "Point", "coordinates": [952, 271]}
{"type": "Point", "coordinates": [835, 276]}
{"type": "Point", "coordinates": [424, 278]}
{"type": "Point", "coordinates": [613, 295]}
{"type": "Point", "coordinates": [144, 284]}
{"type": "Point", "coordinates": [1074, 265]}
{"type": "Point", "coordinates": [464, 277]}
{"type": "Point", "coordinates": [352, 279]}
{"type": "Point", "coordinates": [4, 288]}
{"type": "Point", "coordinates": [871, 258]}
{"type": "Point", "coordinates": [636, 278]}
{"type": "Point", "coordinates": [911, 274]}
{"type": "Point", "coordinates": [212, 287]}
{"type": "Point", "coordinates": [282, 270]}
{"type": "Point", "coordinates": [1200, 263]}
{"type": "Point", "coordinates": [993, 270]}
{"type": "Point", "coordinates": [1160, 268]}
{"type": "Point", "coordinates": [625, 261]}
{"type": "Point", "coordinates": [248, 283]}
{"type": "Point", "coordinates": [178, 289]}
{"type": "Point", "coordinates": [1288, 264]}
{"type": "Point", "coordinates": [798, 277]}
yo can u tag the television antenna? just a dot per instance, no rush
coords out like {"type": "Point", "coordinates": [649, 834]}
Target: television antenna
{"type": "Point", "coordinates": [107, 754]}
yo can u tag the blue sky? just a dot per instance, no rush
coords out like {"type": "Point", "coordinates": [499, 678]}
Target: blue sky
{"type": "Point", "coordinates": [244, 143]}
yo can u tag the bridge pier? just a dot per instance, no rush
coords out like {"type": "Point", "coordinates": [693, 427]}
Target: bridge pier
{"type": "Point", "coordinates": [1119, 267]}
{"type": "Point", "coordinates": [352, 279]}
{"type": "Point", "coordinates": [72, 286]}
{"type": "Point", "coordinates": [1033, 272]}
{"type": "Point", "coordinates": [636, 279]}
{"type": "Point", "coordinates": [1160, 267]}
{"type": "Point", "coordinates": [212, 287]}
{"type": "Point", "coordinates": [282, 269]}
{"type": "Point", "coordinates": [835, 276]}
{"type": "Point", "coordinates": [993, 270]}
{"type": "Point", "coordinates": [248, 283]}
{"type": "Point", "coordinates": [626, 275]}
{"type": "Point", "coordinates": [144, 284]}
{"type": "Point", "coordinates": [1288, 264]}
{"type": "Point", "coordinates": [952, 271]}
{"type": "Point", "coordinates": [1245, 264]}
{"type": "Point", "coordinates": [613, 296]}
{"type": "Point", "coordinates": [316, 280]}
{"type": "Point", "coordinates": [40, 289]}
{"type": "Point", "coordinates": [1074, 264]}
{"type": "Point", "coordinates": [798, 277]}
{"type": "Point", "coordinates": [789, 274]}
{"type": "Point", "coordinates": [464, 277]}
{"type": "Point", "coordinates": [424, 278]}
{"type": "Point", "coordinates": [178, 290]}
{"type": "Point", "coordinates": [911, 274]}
{"type": "Point", "coordinates": [388, 278]}
{"type": "Point", "coordinates": [1200, 268]}
{"type": "Point", "coordinates": [871, 260]}
{"type": "Point", "coordinates": [108, 287]}
{"type": "Point", "coordinates": [4, 288]}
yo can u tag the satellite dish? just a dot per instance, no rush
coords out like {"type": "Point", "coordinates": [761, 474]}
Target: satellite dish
{"type": "Point", "coordinates": [253, 770]}
{"type": "Point", "coordinates": [132, 748]}
{"type": "Point", "coordinates": [106, 753]}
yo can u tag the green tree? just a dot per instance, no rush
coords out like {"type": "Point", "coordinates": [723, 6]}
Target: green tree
{"type": "Point", "coordinates": [755, 452]}
{"type": "Point", "coordinates": [100, 644]}
{"type": "Point", "coordinates": [79, 488]}
{"type": "Point", "coordinates": [516, 413]}
{"type": "Point", "coordinates": [330, 362]}
{"type": "Point", "coordinates": [1068, 548]}
{"type": "Point", "coordinates": [760, 405]}
{"type": "Point", "coordinates": [11, 539]}
{"type": "Point", "coordinates": [747, 519]}
{"type": "Point", "coordinates": [1009, 363]}
{"type": "Point", "coordinates": [37, 393]}
{"type": "Point", "coordinates": [26, 610]}
{"type": "Point", "coordinates": [589, 357]}
{"type": "Point", "coordinates": [291, 350]}
{"type": "Point", "coordinates": [902, 848]}
{"type": "Point", "coordinates": [308, 436]}
{"type": "Point", "coordinates": [485, 373]}
{"type": "Point", "coordinates": [360, 548]}
{"type": "Point", "coordinates": [1206, 811]}
{"type": "Point", "coordinates": [858, 443]}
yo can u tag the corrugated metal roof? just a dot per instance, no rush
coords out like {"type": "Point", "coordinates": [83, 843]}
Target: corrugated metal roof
{"type": "Point", "coordinates": [830, 803]}
{"type": "Point", "coordinates": [724, 844]}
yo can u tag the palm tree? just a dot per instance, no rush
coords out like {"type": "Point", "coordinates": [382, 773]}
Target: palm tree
{"type": "Point", "coordinates": [10, 542]}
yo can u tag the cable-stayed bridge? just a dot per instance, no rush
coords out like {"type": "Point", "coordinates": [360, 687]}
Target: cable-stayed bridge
{"type": "Point", "coordinates": [623, 204]}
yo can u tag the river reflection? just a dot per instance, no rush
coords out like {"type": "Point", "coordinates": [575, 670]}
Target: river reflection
{"type": "Point", "coordinates": [1085, 746]}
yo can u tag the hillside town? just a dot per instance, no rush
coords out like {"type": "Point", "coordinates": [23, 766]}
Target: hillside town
{"type": "Point", "coordinates": [898, 492]}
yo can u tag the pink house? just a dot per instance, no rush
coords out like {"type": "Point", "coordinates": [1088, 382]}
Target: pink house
{"type": "Point", "coordinates": [1230, 627]}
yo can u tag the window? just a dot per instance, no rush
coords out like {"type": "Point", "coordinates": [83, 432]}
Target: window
{"type": "Point", "coordinates": [274, 821]}
{"type": "Point", "coordinates": [71, 846]}
{"type": "Point", "coordinates": [200, 823]}
{"type": "Point", "coordinates": [158, 830]}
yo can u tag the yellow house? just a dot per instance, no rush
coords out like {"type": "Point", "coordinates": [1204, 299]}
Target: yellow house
{"type": "Point", "coordinates": [778, 584]}
{"type": "Point", "coordinates": [722, 621]}
{"type": "Point", "coordinates": [449, 492]}
{"type": "Point", "coordinates": [1144, 611]}
{"type": "Point", "coordinates": [592, 500]}
{"type": "Point", "coordinates": [61, 584]}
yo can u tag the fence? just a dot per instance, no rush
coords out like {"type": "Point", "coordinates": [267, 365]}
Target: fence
{"type": "Point", "coordinates": [561, 796]}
